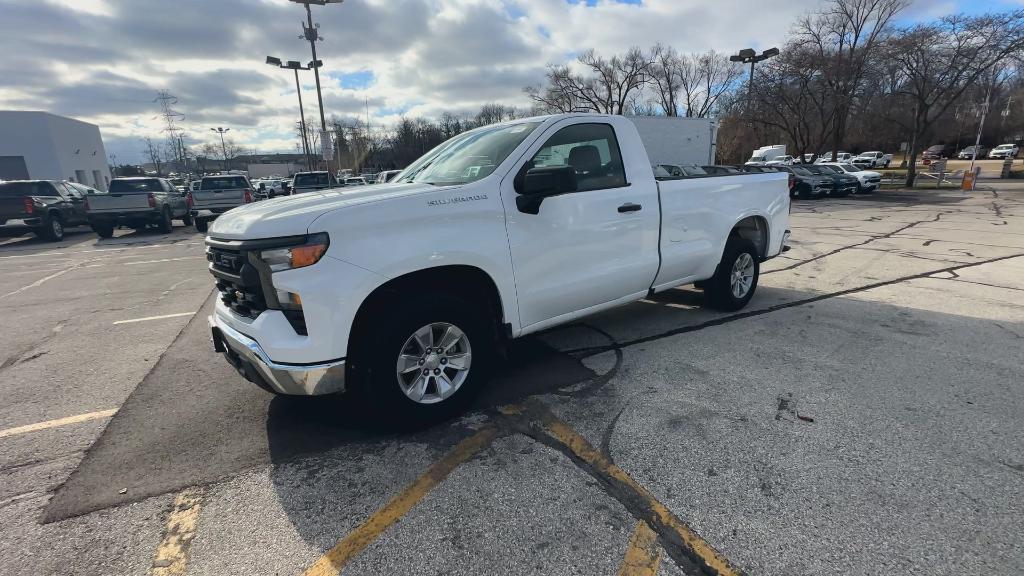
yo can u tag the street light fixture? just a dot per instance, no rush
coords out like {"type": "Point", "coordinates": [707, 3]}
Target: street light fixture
{"type": "Point", "coordinates": [223, 147]}
{"type": "Point", "coordinates": [750, 56]}
{"type": "Point", "coordinates": [295, 67]}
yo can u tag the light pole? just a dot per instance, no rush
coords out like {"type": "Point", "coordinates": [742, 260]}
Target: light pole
{"type": "Point", "coordinates": [311, 33]}
{"type": "Point", "coordinates": [749, 56]}
{"type": "Point", "coordinates": [223, 147]}
{"type": "Point", "coordinates": [295, 67]}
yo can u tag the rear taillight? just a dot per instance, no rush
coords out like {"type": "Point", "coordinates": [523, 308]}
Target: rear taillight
{"type": "Point", "coordinates": [29, 206]}
{"type": "Point", "coordinates": [152, 200]}
{"type": "Point", "coordinates": [86, 203]}
{"type": "Point", "coordinates": [188, 200]}
{"type": "Point", "coordinates": [248, 196]}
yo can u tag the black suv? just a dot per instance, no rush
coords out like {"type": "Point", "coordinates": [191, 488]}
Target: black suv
{"type": "Point", "coordinates": [44, 206]}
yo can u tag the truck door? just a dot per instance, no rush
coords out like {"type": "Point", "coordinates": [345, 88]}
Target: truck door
{"type": "Point", "coordinates": [591, 247]}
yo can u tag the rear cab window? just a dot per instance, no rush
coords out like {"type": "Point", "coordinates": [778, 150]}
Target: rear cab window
{"type": "Point", "coordinates": [321, 179]}
{"type": "Point", "coordinates": [142, 185]}
{"type": "Point", "coordinates": [223, 183]}
{"type": "Point", "coordinates": [18, 189]}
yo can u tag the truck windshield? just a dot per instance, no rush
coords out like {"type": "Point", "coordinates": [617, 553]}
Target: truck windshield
{"type": "Point", "coordinates": [14, 189]}
{"type": "Point", "coordinates": [222, 182]}
{"type": "Point", "coordinates": [468, 157]}
{"type": "Point", "coordinates": [147, 185]}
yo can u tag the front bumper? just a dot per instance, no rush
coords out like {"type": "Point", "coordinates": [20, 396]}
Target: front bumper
{"type": "Point", "coordinates": [246, 355]}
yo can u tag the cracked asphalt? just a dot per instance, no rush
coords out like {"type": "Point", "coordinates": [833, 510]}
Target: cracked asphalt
{"type": "Point", "coordinates": [865, 415]}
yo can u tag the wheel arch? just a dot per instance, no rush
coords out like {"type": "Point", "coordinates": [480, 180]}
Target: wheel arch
{"type": "Point", "coordinates": [465, 281]}
{"type": "Point", "coordinates": [756, 229]}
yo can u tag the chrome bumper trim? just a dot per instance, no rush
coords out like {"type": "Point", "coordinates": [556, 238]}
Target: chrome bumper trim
{"type": "Point", "coordinates": [246, 355]}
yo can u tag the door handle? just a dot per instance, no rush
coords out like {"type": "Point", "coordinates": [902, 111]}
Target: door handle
{"type": "Point", "coordinates": [630, 207]}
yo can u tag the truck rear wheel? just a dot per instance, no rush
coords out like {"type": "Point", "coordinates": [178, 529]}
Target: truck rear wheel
{"type": "Point", "coordinates": [52, 228]}
{"type": "Point", "coordinates": [165, 224]}
{"type": "Point", "coordinates": [424, 359]}
{"type": "Point", "coordinates": [103, 229]}
{"type": "Point", "coordinates": [186, 219]}
{"type": "Point", "coordinates": [735, 279]}
{"type": "Point", "coordinates": [202, 225]}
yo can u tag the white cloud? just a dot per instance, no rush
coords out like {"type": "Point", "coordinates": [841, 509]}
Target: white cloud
{"type": "Point", "coordinates": [103, 61]}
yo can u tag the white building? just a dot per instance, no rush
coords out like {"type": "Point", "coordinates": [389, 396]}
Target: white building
{"type": "Point", "coordinates": [44, 146]}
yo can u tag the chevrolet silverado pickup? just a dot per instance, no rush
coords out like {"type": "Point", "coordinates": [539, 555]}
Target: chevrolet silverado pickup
{"type": "Point", "coordinates": [45, 207]}
{"type": "Point", "coordinates": [136, 202]}
{"type": "Point", "coordinates": [403, 294]}
{"type": "Point", "coordinates": [216, 195]}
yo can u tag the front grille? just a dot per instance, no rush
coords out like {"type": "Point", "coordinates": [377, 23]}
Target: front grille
{"type": "Point", "coordinates": [238, 281]}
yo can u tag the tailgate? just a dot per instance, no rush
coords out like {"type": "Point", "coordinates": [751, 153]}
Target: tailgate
{"type": "Point", "coordinates": [119, 202]}
{"type": "Point", "coordinates": [12, 208]}
{"type": "Point", "coordinates": [226, 198]}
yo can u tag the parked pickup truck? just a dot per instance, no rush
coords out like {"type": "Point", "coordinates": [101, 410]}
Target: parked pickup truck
{"type": "Point", "coordinates": [136, 202]}
{"type": "Point", "coordinates": [217, 195]}
{"type": "Point", "coordinates": [875, 159]}
{"type": "Point", "coordinates": [404, 293]}
{"type": "Point", "coordinates": [45, 207]}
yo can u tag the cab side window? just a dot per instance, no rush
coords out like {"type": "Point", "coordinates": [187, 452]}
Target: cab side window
{"type": "Point", "coordinates": [593, 152]}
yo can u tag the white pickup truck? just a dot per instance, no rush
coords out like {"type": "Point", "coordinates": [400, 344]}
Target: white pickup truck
{"type": "Point", "coordinates": [404, 293]}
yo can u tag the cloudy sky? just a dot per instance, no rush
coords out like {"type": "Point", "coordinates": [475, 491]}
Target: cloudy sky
{"type": "Point", "coordinates": [104, 60]}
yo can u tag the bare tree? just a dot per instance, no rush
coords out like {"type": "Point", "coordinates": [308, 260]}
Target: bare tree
{"type": "Point", "coordinates": [846, 35]}
{"type": "Point", "coordinates": [608, 85]}
{"type": "Point", "coordinates": [155, 152]}
{"type": "Point", "coordinates": [938, 62]}
{"type": "Point", "coordinates": [665, 78]}
{"type": "Point", "coordinates": [492, 113]}
{"type": "Point", "coordinates": [704, 79]}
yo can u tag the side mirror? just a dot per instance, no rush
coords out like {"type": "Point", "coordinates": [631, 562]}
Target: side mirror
{"type": "Point", "coordinates": [533, 185]}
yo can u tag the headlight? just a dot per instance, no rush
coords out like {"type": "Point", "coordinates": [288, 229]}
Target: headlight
{"type": "Point", "coordinates": [292, 257]}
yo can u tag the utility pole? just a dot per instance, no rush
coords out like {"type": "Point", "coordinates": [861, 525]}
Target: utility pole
{"type": "Point", "coordinates": [749, 56]}
{"type": "Point", "coordinates": [113, 164]}
{"type": "Point", "coordinates": [296, 66]}
{"type": "Point", "coordinates": [981, 124]}
{"type": "Point", "coordinates": [311, 32]}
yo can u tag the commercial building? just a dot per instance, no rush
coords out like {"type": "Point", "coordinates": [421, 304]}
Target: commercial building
{"type": "Point", "coordinates": [40, 145]}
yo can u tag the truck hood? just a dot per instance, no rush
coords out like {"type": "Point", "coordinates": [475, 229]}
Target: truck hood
{"type": "Point", "coordinates": [292, 215]}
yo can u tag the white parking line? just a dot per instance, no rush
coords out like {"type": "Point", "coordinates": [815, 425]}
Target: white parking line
{"type": "Point", "coordinates": [148, 318]}
{"type": "Point", "coordinates": [55, 423]}
{"type": "Point", "coordinates": [164, 260]}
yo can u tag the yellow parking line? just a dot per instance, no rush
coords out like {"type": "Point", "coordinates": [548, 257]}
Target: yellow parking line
{"type": "Point", "coordinates": [643, 554]}
{"type": "Point", "coordinates": [354, 542]}
{"type": "Point", "coordinates": [55, 423]}
{"type": "Point", "coordinates": [661, 516]}
{"type": "Point", "coordinates": [171, 557]}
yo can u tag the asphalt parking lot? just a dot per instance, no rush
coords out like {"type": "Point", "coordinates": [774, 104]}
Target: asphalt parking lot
{"type": "Point", "coordinates": [865, 415]}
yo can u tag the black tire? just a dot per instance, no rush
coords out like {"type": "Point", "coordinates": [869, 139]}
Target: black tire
{"type": "Point", "coordinates": [186, 219]}
{"type": "Point", "coordinates": [389, 333]}
{"type": "Point", "coordinates": [103, 229]}
{"type": "Point", "coordinates": [719, 289]}
{"type": "Point", "coordinates": [166, 223]}
{"type": "Point", "coordinates": [52, 229]}
{"type": "Point", "coordinates": [202, 224]}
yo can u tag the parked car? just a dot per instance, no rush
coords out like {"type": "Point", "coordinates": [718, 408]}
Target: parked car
{"type": "Point", "coordinates": [407, 298]}
{"type": "Point", "coordinates": [874, 159]}
{"type": "Point", "coordinates": [937, 152]}
{"type": "Point", "coordinates": [843, 184]}
{"type": "Point", "coordinates": [137, 202]}
{"type": "Point", "coordinates": [759, 169]}
{"type": "Point", "coordinates": [721, 169]}
{"type": "Point", "coordinates": [783, 160]}
{"type": "Point", "coordinates": [312, 181]}
{"type": "Point", "coordinates": [969, 152]}
{"type": "Point", "coordinates": [1004, 151]}
{"type": "Point", "coordinates": [867, 181]}
{"type": "Point", "coordinates": [839, 157]}
{"type": "Point", "coordinates": [216, 195]}
{"type": "Point", "coordinates": [46, 207]}
{"type": "Point", "coordinates": [386, 176]}
{"type": "Point", "coordinates": [355, 181]}
{"type": "Point", "coordinates": [808, 181]}
{"type": "Point", "coordinates": [268, 188]}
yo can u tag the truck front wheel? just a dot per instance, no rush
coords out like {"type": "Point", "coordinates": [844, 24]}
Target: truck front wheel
{"type": "Point", "coordinates": [103, 229]}
{"type": "Point", "coordinates": [735, 279]}
{"type": "Point", "coordinates": [424, 359]}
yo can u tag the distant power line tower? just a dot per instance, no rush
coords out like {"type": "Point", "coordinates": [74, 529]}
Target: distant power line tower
{"type": "Point", "coordinates": [174, 133]}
